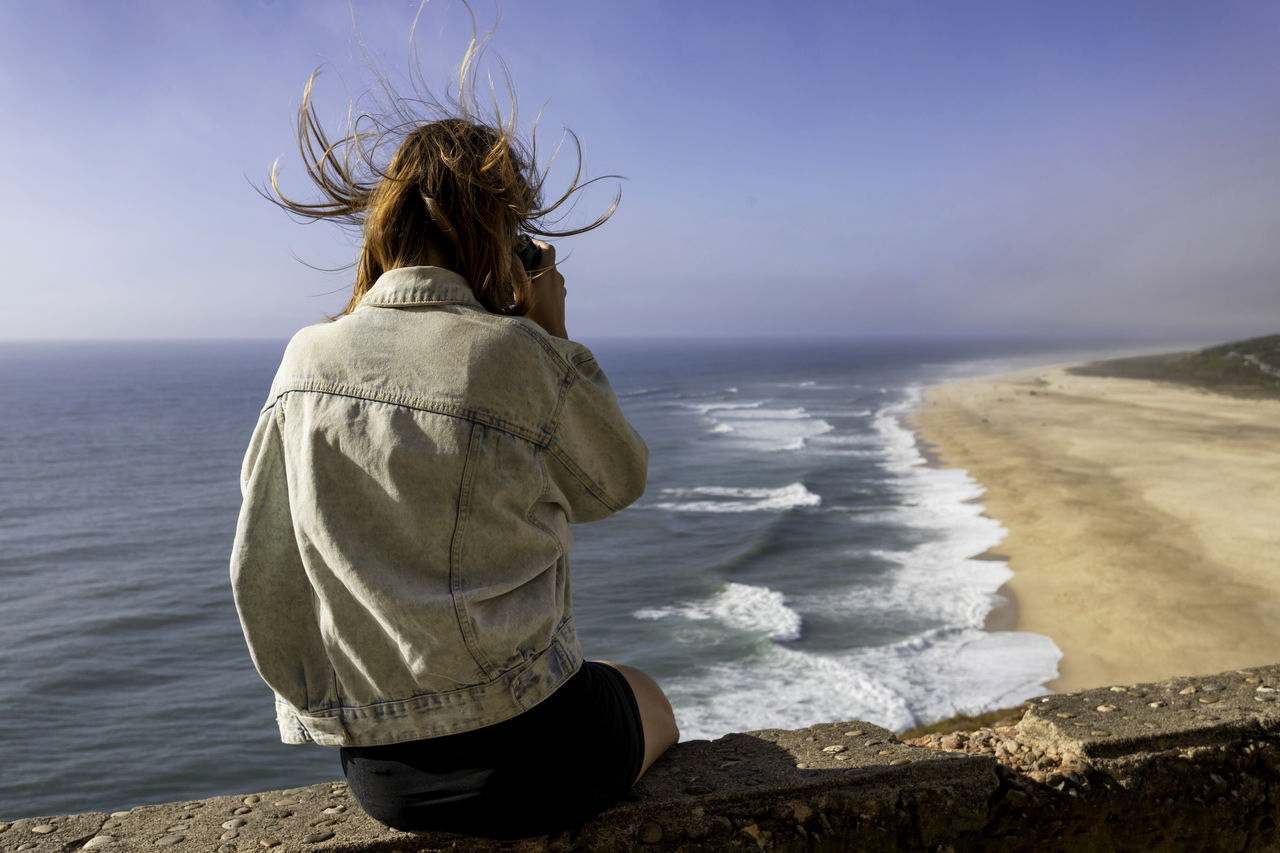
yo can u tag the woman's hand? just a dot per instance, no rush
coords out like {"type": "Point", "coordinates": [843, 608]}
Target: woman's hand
{"type": "Point", "coordinates": [548, 292]}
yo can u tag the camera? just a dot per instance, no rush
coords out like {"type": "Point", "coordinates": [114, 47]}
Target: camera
{"type": "Point", "coordinates": [529, 252]}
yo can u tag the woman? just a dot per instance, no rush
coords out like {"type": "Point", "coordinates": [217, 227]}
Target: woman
{"type": "Point", "coordinates": [401, 559]}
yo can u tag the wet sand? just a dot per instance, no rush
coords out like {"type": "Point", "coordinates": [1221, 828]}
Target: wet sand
{"type": "Point", "coordinates": [1143, 517]}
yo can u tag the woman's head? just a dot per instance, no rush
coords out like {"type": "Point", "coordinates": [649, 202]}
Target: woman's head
{"type": "Point", "coordinates": [456, 191]}
{"type": "Point", "coordinates": [461, 191]}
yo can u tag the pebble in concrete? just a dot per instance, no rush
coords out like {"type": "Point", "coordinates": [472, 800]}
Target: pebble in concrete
{"type": "Point", "coordinates": [649, 833]}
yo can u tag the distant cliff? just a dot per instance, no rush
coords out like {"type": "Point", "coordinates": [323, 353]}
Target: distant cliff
{"type": "Point", "coordinates": [1249, 368]}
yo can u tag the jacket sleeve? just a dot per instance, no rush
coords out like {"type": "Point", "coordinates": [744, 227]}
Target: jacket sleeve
{"type": "Point", "coordinates": [595, 460]}
{"type": "Point", "coordinates": [267, 577]}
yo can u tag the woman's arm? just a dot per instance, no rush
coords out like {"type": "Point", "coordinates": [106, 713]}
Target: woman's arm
{"type": "Point", "coordinates": [596, 460]}
{"type": "Point", "coordinates": [548, 292]}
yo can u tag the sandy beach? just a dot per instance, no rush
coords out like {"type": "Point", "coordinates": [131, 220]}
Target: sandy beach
{"type": "Point", "coordinates": [1143, 517]}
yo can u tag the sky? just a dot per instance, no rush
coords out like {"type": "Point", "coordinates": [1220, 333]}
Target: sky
{"type": "Point", "coordinates": [834, 168]}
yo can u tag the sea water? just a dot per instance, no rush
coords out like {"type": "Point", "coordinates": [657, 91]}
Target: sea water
{"type": "Point", "coordinates": [793, 560]}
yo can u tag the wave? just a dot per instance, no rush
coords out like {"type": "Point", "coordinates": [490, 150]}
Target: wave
{"type": "Point", "coordinates": [845, 440]}
{"type": "Point", "coordinates": [898, 441]}
{"type": "Point", "coordinates": [858, 445]}
{"type": "Point", "coordinates": [898, 686]}
{"type": "Point", "coordinates": [953, 668]}
{"type": "Point", "coordinates": [754, 609]}
{"type": "Point", "coordinates": [938, 578]}
{"type": "Point", "coordinates": [758, 426]}
{"type": "Point", "coordinates": [739, 499]}
{"type": "Point", "coordinates": [702, 395]}
{"type": "Point", "coordinates": [914, 572]}
{"type": "Point", "coordinates": [705, 408]}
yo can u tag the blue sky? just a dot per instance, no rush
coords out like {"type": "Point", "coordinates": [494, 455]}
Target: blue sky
{"type": "Point", "coordinates": [867, 167]}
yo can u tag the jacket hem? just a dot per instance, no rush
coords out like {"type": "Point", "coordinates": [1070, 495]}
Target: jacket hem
{"type": "Point", "coordinates": [437, 714]}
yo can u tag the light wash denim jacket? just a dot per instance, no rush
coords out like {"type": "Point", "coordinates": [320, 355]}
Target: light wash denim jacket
{"type": "Point", "coordinates": [401, 560]}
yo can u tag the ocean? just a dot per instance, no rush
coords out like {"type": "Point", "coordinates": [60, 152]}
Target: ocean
{"type": "Point", "coordinates": [793, 561]}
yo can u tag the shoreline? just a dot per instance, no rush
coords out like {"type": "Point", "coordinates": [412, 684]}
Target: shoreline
{"type": "Point", "coordinates": [1142, 538]}
{"type": "Point", "coordinates": [1003, 615]}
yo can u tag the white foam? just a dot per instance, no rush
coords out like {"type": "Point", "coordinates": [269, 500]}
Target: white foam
{"type": "Point", "coordinates": [937, 578]}
{"type": "Point", "coordinates": [778, 688]}
{"type": "Point", "coordinates": [757, 609]}
{"type": "Point", "coordinates": [896, 686]}
{"type": "Point", "coordinates": [956, 668]}
{"type": "Point", "coordinates": [953, 668]}
{"type": "Point", "coordinates": [899, 442]}
{"type": "Point", "coordinates": [858, 445]}
{"type": "Point", "coordinates": [639, 392]}
{"type": "Point", "coordinates": [758, 426]}
{"type": "Point", "coordinates": [846, 439]}
{"type": "Point", "coordinates": [721, 405]}
{"type": "Point", "coordinates": [734, 499]}
{"type": "Point", "coordinates": [830, 410]}
{"type": "Point", "coordinates": [743, 607]}
{"type": "Point", "coordinates": [963, 671]}
{"type": "Point", "coordinates": [827, 450]}
{"type": "Point", "coordinates": [936, 581]}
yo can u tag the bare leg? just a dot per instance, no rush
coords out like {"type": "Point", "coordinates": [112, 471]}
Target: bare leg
{"type": "Point", "coordinates": [656, 717]}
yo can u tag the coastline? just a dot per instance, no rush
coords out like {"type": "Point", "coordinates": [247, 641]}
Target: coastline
{"type": "Point", "coordinates": [1141, 517]}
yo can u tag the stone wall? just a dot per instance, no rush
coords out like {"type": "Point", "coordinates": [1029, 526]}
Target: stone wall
{"type": "Point", "coordinates": [1186, 764]}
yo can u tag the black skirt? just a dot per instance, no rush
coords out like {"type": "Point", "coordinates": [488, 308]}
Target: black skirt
{"type": "Point", "coordinates": [551, 768]}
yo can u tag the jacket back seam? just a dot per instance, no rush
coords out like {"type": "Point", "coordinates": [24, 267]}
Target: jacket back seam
{"type": "Point", "coordinates": [518, 323]}
{"type": "Point", "coordinates": [540, 437]}
{"type": "Point", "coordinates": [592, 488]}
{"type": "Point", "coordinates": [544, 494]}
{"type": "Point", "coordinates": [455, 557]}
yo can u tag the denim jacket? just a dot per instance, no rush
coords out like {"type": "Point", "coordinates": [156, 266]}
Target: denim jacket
{"type": "Point", "coordinates": [400, 566]}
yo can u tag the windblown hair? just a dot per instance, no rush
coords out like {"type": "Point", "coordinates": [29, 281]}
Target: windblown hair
{"type": "Point", "coordinates": [456, 183]}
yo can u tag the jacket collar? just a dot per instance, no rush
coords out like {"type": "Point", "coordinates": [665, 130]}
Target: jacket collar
{"type": "Point", "coordinates": [419, 286]}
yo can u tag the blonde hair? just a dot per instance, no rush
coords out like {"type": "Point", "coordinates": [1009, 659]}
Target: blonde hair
{"type": "Point", "coordinates": [457, 183]}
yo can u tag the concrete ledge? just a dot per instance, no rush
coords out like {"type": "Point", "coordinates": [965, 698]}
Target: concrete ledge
{"type": "Point", "coordinates": [1186, 764]}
